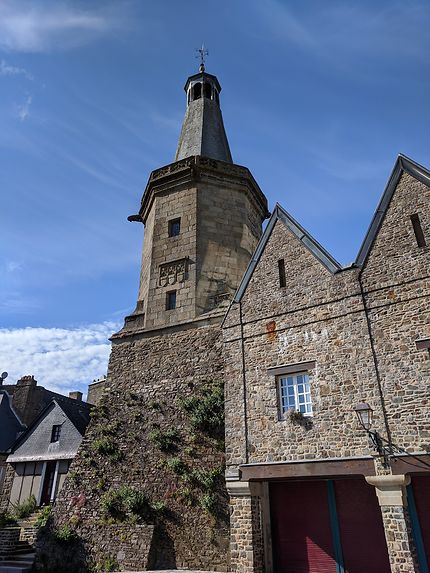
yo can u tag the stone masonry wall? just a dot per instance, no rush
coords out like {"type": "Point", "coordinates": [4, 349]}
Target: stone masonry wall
{"type": "Point", "coordinates": [317, 317]}
{"type": "Point", "coordinates": [147, 378]}
{"type": "Point", "coordinates": [396, 280]}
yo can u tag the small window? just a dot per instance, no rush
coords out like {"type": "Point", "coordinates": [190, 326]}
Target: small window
{"type": "Point", "coordinates": [418, 230]}
{"type": "Point", "coordinates": [281, 269]}
{"type": "Point", "coordinates": [294, 394]}
{"type": "Point", "coordinates": [171, 300]}
{"type": "Point", "coordinates": [174, 227]}
{"type": "Point", "coordinates": [55, 434]}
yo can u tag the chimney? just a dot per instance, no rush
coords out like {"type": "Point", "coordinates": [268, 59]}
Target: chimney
{"type": "Point", "coordinates": [27, 381]}
{"type": "Point", "coordinates": [76, 396]}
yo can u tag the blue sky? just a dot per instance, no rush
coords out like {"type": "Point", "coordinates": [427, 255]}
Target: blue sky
{"type": "Point", "coordinates": [318, 99]}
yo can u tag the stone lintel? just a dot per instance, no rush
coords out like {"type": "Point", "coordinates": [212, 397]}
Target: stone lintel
{"type": "Point", "coordinates": [390, 489]}
{"type": "Point", "coordinates": [238, 488]}
{"type": "Point", "coordinates": [188, 170]}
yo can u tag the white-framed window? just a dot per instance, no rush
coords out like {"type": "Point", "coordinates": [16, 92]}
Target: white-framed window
{"type": "Point", "coordinates": [294, 392]}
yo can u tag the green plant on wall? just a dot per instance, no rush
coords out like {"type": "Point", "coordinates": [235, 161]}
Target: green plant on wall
{"type": "Point", "coordinates": [65, 534]}
{"type": "Point", "coordinates": [43, 516]}
{"type": "Point", "coordinates": [165, 441]}
{"type": "Point", "coordinates": [125, 503]}
{"type": "Point", "coordinates": [107, 447]}
{"type": "Point", "coordinates": [208, 502]}
{"type": "Point", "coordinates": [206, 411]}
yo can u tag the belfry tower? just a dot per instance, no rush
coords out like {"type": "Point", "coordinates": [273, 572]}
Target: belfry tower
{"type": "Point", "coordinates": [157, 437]}
{"type": "Point", "coordinates": [202, 217]}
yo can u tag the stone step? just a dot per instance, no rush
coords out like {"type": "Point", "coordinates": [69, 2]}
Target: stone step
{"type": "Point", "coordinates": [18, 557]}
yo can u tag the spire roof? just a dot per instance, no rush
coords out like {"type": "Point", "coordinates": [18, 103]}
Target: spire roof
{"type": "Point", "coordinates": [203, 130]}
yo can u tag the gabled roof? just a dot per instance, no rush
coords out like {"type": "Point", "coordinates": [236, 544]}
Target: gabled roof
{"type": "Point", "coordinates": [402, 165]}
{"type": "Point", "coordinates": [78, 414]}
{"type": "Point", "coordinates": [279, 214]}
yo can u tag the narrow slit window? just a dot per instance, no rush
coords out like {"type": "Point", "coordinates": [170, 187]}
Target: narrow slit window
{"type": "Point", "coordinates": [418, 230]}
{"type": "Point", "coordinates": [171, 300]}
{"type": "Point", "coordinates": [174, 227]}
{"type": "Point", "coordinates": [281, 269]}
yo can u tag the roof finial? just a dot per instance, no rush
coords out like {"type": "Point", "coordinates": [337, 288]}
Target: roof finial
{"type": "Point", "coordinates": [202, 54]}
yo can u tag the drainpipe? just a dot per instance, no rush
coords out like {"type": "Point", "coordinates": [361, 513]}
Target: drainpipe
{"type": "Point", "coordinates": [375, 362]}
{"type": "Point", "coordinates": [245, 409]}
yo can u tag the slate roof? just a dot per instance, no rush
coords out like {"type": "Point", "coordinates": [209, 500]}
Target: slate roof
{"type": "Point", "coordinates": [203, 131]}
{"type": "Point", "coordinates": [10, 424]}
{"type": "Point", "coordinates": [403, 165]}
{"type": "Point", "coordinates": [77, 412]}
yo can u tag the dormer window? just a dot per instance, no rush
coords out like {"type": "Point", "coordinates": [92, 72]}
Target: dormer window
{"type": "Point", "coordinates": [55, 433]}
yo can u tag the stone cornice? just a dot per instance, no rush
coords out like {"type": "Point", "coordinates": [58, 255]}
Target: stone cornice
{"type": "Point", "coordinates": [192, 169]}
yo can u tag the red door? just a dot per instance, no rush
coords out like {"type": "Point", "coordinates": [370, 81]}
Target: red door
{"type": "Point", "coordinates": [301, 535]}
{"type": "Point", "coordinates": [362, 536]}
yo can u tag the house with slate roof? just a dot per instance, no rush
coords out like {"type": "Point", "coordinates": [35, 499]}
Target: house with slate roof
{"type": "Point", "coordinates": [40, 459]}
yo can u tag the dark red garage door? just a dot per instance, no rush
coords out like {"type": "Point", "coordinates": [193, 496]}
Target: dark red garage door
{"type": "Point", "coordinates": [301, 536]}
{"type": "Point", "coordinates": [327, 527]}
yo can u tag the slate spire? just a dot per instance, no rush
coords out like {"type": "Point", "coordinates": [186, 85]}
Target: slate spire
{"type": "Point", "coordinates": [203, 130]}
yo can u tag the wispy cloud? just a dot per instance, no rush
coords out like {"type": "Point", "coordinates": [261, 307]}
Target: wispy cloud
{"type": "Point", "coordinates": [24, 109]}
{"type": "Point", "coordinates": [42, 26]}
{"type": "Point", "coordinates": [338, 30]}
{"type": "Point", "coordinates": [8, 70]}
{"type": "Point", "coordinates": [61, 359]}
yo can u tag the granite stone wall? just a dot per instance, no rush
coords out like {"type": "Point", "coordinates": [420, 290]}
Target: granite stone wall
{"type": "Point", "coordinates": [183, 482]}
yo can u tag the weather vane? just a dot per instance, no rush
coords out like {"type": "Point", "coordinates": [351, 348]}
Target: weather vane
{"type": "Point", "coordinates": [202, 54]}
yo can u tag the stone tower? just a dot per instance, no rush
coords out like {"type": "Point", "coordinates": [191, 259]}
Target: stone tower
{"type": "Point", "coordinates": [202, 216]}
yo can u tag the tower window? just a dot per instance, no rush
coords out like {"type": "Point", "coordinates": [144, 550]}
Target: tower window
{"type": "Point", "coordinates": [55, 433]}
{"type": "Point", "coordinates": [174, 227]}
{"type": "Point", "coordinates": [281, 269]}
{"type": "Point", "coordinates": [197, 91]}
{"type": "Point", "coordinates": [207, 90]}
{"type": "Point", "coordinates": [418, 230]}
{"type": "Point", "coordinates": [171, 300]}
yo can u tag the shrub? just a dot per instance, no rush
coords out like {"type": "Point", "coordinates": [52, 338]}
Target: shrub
{"type": "Point", "coordinates": [43, 516]}
{"type": "Point", "coordinates": [25, 508]}
{"type": "Point", "coordinates": [208, 503]}
{"type": "Point", "coordinates": [158, 506]}
{"type": "Point", "coordinates": [206, 479]}
{"type": "Point", "coordinates": [177, 466]}
{"type": "Point", "coordinates": [124, 503]}
{"type": "Point", "coordinates": [107, 447]}
{"type": "Point", "coordinates": [206, 412]}
{"type": "Point", "coordinates": [6, 519]}
{"type": "Point", "coordinates": [165, 441]}
{"type": "Point", "coordinates": [65, 534]}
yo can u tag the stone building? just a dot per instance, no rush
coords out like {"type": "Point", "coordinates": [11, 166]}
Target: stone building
{"type": "Point", "coordinates": [305, 340]}
{"type": "Point", "coordinates": [42, 455]}
{"type": "Point", "coordinates": [157, 431]}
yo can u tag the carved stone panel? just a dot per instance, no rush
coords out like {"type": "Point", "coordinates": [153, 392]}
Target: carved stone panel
{"type": "Point", "coordinates": [173, 272]}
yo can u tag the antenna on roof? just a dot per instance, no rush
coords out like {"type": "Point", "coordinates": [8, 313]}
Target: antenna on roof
{"type": "Point", "coordinates": [3, 376]}
{"type": "Point", "coordinates": [203, 52]}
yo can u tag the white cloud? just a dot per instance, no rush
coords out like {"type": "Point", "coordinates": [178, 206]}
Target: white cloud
{"type": "Point", "coordinates": [8, 70]}
{"type": "Point", "coordinates": [61, 359]}
{"type": "Point", "coordinates": [24, 109]}
{"type": "Point", "coordinates": [28, 26]}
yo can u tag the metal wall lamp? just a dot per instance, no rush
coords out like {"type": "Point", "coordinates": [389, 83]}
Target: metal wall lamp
{"type": "Point", "coordinates": [385, 448]}
{"type": "Point", "coordinates": [365, 417]}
